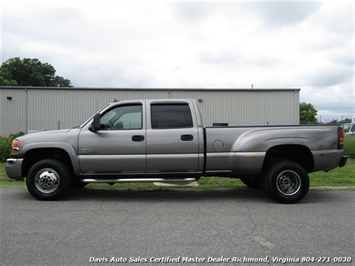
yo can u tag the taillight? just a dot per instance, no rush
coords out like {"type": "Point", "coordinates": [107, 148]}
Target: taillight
{"type": "Point", "coordinates": [341, 138]}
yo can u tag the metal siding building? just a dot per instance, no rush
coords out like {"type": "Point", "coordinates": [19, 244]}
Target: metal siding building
{"type": "Point", "coordinates": [31, 109]}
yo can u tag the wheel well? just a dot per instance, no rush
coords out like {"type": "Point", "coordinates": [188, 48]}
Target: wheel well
{"type": "Point", "coordinates": [36, 155]}
{"type": "Point", "coordinates": [297, 153]}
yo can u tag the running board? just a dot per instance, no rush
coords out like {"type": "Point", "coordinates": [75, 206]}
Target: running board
{"type": "Point", "coordinates": [138, 180]}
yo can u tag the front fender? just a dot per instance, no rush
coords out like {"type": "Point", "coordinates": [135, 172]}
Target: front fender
{"type": "Point", "coordinates": [68, 148]}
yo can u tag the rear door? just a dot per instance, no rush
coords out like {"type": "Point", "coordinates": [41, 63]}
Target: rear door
{"type": "Point", "coordinates": [172, 138]}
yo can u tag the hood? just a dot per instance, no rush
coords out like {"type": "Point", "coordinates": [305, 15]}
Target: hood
{"type": "Point", "coordinates": [50, 132]}
{"type": "Point", "coordinates": [45, 138]}
{"type": "Point", "coordinates": [45, 135]}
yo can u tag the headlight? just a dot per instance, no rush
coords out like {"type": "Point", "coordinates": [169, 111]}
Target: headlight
{"type": "Point", "coordinates": [15, 147]}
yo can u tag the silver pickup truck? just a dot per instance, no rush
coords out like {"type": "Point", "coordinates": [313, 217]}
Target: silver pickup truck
{"type": "Point", "coordinates": [165, 141]}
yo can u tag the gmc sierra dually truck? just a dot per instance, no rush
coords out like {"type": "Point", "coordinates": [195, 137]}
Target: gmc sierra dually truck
{"type": "Point", "coordinates": [165, 141]}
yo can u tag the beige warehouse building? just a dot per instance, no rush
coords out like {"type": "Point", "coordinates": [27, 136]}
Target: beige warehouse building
{"type": "Point", "coordinates": [32, 109]}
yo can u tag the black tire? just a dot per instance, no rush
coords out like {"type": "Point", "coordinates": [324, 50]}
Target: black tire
{"type": "Point", "coordinates": [286, 182]}
{"type": "Point", "coordinates": [251, 182]}
{"type": "Point", "coordinates": [48, 179]}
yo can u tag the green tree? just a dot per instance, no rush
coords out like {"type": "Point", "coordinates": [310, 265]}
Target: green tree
{"type": "Point", "coordinates": [30, 72]}
{"type": "Point", "coordinates": [346, 120]}
{"type": "Point", "coordinates": [308, 114]}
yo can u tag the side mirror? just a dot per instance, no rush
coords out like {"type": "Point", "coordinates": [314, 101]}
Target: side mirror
{"type": "Point", "coordinates": [96, 123]}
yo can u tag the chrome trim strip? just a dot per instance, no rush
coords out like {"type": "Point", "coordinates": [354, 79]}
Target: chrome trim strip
{"type": "Point", "coordinates": [128, 180]}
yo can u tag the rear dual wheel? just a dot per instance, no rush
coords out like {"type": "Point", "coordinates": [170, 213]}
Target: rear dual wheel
{"type": "Point", "coordinates": [286, 182]}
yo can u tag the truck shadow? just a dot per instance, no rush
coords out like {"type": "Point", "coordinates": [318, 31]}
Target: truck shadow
{"type": "Point", "coordinates": [166, 194]}
{"type": "Point", "coordinates": [240, 194]}
{"type": "Point", "coordinates": [237, 195]}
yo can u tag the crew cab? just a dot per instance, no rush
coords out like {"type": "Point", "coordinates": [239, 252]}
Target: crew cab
{"type": "Point", "coordinates": [165, 141]}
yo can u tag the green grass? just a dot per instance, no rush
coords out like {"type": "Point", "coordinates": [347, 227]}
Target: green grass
{"type": "Point", "coordinates": [344, 176]}
{"type": "Point", "coordinates": [338, 177]}
{"type": "Point", "coordinates": [349, 146]}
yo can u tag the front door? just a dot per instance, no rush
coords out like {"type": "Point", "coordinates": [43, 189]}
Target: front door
{"type": "Point", "coordinates": [119, 147]}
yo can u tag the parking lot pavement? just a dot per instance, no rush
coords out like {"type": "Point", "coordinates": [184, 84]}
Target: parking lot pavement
{"type": "Point", "coordinates": [190, 227]}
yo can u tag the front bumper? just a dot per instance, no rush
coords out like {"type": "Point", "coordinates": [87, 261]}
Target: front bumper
{"type": "Point", "coordinates": [345, 160]}
{"type": "Point", "coordinates": [13, 168]}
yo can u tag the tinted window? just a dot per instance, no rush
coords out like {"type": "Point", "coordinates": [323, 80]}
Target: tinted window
{"type": "Point", "coordinates": [171, 116]}
{"type": "Point", "coordinates": [122, 118]}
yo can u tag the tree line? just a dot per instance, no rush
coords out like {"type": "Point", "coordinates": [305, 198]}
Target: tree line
{"type": "Point", "coordinates": [30, 72]}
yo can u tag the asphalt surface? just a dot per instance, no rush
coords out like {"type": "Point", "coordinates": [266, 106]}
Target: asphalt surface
{"type": "Point", "coordinates": [161, 227]}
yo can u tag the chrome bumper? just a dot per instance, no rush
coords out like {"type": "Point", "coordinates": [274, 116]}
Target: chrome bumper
{"type": "Point", "coordinates": [13, 168]}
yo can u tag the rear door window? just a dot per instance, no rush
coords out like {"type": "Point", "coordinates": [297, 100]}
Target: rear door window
{"type": "Point", "coordinates": [167, 116]}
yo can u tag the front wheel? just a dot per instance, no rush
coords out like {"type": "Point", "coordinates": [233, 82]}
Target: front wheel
{"type": "Point", "coordinates": [286, 182]}
{"type": "Point", "coordinates": [48, 179]}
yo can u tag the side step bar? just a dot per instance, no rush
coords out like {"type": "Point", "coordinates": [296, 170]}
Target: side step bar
{"type": "Point", "coordinates": [138, 180]}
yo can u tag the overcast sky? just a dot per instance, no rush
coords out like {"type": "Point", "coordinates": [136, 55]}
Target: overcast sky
{"type": "Point", "coordinates": [180, 44]}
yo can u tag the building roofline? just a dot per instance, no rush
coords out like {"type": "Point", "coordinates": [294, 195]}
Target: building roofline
{"type": "Point", "coordinates": [146, 89]}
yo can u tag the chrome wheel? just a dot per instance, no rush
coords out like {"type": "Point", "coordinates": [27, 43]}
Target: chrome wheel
{"type": "Point", "coordinates": [288, 182]}
{"type": "Point", "coordinates": [47, 180]}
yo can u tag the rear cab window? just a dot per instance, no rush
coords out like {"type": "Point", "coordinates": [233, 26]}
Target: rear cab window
{"type": "Point", "coordinates": [169, 116]}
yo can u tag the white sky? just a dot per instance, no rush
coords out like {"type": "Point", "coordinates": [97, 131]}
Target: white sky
{"type": "Point", "coordinates": [181, 44]}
